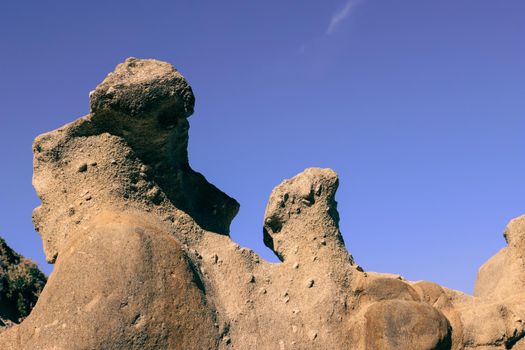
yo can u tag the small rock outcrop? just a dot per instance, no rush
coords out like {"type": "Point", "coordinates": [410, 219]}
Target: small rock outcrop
{"type": "Point", "coordinates": [504, 274]}
{"type": "Point", "coordinates": [20, 285]}
{"type": "Point", "coordinates": [143, 259]}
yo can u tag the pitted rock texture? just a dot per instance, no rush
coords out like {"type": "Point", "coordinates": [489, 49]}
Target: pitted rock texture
{"type": "Point", "coordinates": [144, 261]}
{"type": "Point", "coordinates": [21, 282]}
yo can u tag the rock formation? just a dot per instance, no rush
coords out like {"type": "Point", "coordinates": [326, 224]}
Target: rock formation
{"type": "Point", "coordinates": [143, 259]}
{"type": "Point", "coordinates": [20, 285]}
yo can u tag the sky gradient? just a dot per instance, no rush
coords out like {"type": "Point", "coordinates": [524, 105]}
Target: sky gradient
{"type": "Point", "coordinates": [418, 105]}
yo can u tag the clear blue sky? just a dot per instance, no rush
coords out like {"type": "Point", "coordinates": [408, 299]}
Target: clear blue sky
{"type": "Point", "coordinates": [418, 105]}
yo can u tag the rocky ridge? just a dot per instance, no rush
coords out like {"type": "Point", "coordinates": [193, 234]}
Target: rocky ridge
{"type": "Point", "coordinates": [143, 259]}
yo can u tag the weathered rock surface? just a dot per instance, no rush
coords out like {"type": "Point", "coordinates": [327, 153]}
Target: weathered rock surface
{"type": "Point", "coordinates": [144, 261]}
{"type": "Point", "coordinates": [20, 285]}
{"type": "Point", "coordinates": [504, 274]}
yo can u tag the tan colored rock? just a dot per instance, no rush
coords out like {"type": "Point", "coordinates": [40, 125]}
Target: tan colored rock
{"type": "Point", "coordinates": [144, 260]}
{"type": "Point", "coordinates": [436, 296]}
{"type": "Point", "coordinates": [406, 325]}
{"type": "Point", "coordinates": [497, 324]}
{"type": "Point", "coordinates": [137, 88]}
{"type": "Point", "coordinates": [504, 274]}
{"type": "Point", "coordinates": [301, 219]}
{"type": "Point", "coordinates": [122, 283]}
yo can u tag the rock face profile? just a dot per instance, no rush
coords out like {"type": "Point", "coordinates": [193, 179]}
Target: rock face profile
{"type": "Point", "coordinates": [143, 257]}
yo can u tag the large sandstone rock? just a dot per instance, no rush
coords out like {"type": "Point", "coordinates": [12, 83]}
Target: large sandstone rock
{"type": "Point", "coordinates": [144, 261]}
{"type": "Point", "coordinates": [405, 325]}
{"type": "Point", "coordinates": [121, 284]}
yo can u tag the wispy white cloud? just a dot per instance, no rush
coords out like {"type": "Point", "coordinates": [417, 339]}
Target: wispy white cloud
{"type": "Point", "coordinates": [341, 15]}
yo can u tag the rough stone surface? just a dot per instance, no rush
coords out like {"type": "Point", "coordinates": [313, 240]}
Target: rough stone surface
{"type": "Point", "coordinates": [20, 285]}
{"type": "Point", "coordinates": [405, 325]}
{"type": "Point", "coordinates": [504, 274]}
{"type": "Point", "coordinates": [144, 261]}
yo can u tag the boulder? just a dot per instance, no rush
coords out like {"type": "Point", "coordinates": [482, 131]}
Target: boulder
{"type": "Point", "coordinates": [503, 275]}
{"type": "Point", "coordinates": [406, 325]}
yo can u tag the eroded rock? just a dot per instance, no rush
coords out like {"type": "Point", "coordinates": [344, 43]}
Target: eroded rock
{"type": "Point", "coordinates": [406, 325]}
{"type": "Point", "coordinates": [144, 261]}
{"type": "Point", "coordinates": [504, 274]}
